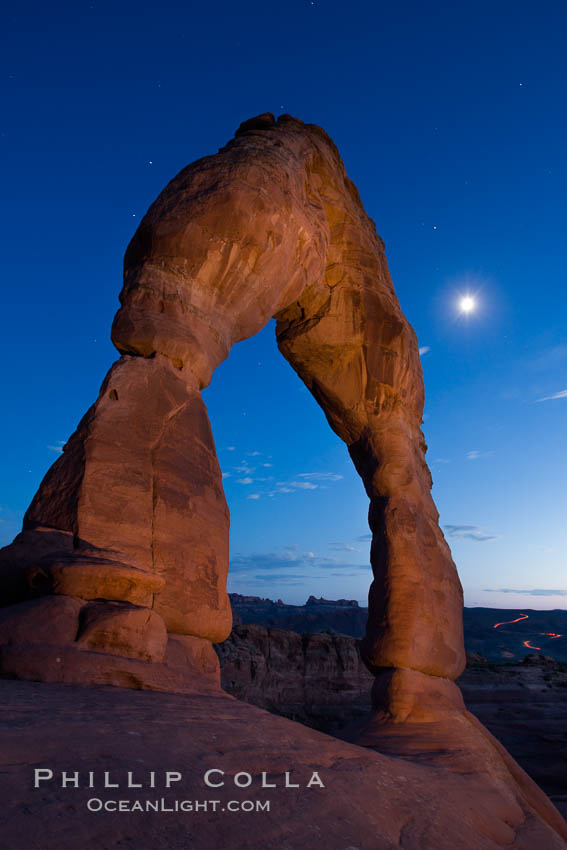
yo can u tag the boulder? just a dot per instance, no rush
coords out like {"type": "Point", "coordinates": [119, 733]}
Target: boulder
{"type": "Point", "coordinates": [50, 620]}
{"type": "Point", "coordinates": [122, 629]}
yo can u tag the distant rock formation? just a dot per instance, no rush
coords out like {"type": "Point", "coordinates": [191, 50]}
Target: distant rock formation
{"type": "Point", "coordinates": [335, 603]}
{"type": "Point", "coordinates": [317, 615]}
{"type": "Point", "coordinates": [547, 629]}
{"type": "Point", "coordinates": [318, 679]}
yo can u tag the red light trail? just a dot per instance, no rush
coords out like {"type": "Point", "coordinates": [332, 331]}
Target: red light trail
{"type": "Point", "coordinates": [507, 623]}
{"type": "Point", "coordinates": [526, 643]}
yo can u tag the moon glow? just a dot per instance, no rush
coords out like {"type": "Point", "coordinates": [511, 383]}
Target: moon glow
{"type": "Point", "coordinates": [467, 304]}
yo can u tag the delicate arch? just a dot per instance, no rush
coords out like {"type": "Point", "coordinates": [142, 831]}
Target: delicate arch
{"type": "Point", "coordinates": [134, 511]}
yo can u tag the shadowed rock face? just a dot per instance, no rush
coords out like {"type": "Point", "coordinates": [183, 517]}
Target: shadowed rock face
{"type": "Point", "coordinates": [318, 679]}
{"type": "Point", "coordinates": [134, 511]}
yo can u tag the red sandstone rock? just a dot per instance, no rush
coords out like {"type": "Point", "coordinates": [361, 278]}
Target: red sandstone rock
{"type": "Point", "coordinates": [147, 496]}
{"type": "Point", "coordinates": [401, 696]}
{"type": "Point", "coordinates": [49, 620]}
{"type": "Point", "coordinates": [371, 801]}
{"type": "Point", "coordinates": [67, 663]}
{"type": "Point", "coordinates": [270, 226]}
{"type": "Point", "coordinates": [203, 271]}
{"type": "Point", "coordinates": [187, 651]}
{"type": "Point", "coordinates": [92, 577]}
{"type": "Point", "coordinates": [122, 629]}
{"type": "Point", "coordinates": [457, 741]}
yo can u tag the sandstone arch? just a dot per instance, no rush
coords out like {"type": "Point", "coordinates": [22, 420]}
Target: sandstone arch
{"type": "Point", "coordinates": [118, 576]}
{"type": "Point", "coordinates": [134, 512]}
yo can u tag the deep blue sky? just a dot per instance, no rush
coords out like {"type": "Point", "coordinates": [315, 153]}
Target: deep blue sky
{"type": "Point", "coordinates": [451, 120]}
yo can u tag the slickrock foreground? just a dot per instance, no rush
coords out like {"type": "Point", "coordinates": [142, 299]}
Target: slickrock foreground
{"type": "Point", "coordinates": [370, 801]}
{"type": "Point", "coordinates": [320, 680]}
{"type": "Point", "coordinates": [119, 574]}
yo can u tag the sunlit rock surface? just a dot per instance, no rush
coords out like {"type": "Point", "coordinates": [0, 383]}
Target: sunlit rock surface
{"type": "Point", "coordinates": [134, 510]}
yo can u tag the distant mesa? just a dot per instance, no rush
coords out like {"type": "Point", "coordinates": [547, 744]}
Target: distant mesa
{"type": "Point", "coordinates": [347, 617]}
{"type": "Point", "coordinates": [337, 603]}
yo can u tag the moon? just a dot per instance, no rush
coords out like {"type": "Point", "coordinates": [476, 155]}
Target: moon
{"type": "Point", "coordinates": [467, 304]}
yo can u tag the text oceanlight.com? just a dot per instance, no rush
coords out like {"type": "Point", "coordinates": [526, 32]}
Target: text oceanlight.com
{"type": "Point", "coordinates": [95, 804]}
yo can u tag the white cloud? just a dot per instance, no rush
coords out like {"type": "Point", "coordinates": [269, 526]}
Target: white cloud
{"type": "Point", "coordinates": [253, 496]}
{"type": "Point", "coordinates": [476, 455]}
{"type": "Point", "coordinates": [320, 476]}
{"type": "Point", "coordinates": [58, 447]}
{"type": "Point", "coordinates": [560, 394]}
{"type": "Point", "coordinates": [424, 349]}
{"type": "Point", "coordinates": [302, 481]}
{"type": "Point", "coordinates": [231, 448]}
{"type": "Point", "coordinates": [270, 562]}
{"type": "Point", "coordinates": [267, 464]}
{"type": "Point", "coordinates": [468, 532]}
{"type": "Point", "coordinates": [244, 468]}
{"type": "Point", "coordinates": [226, 474]}
{"type": "Point", "coordinates": [254, 454]}
{"type": "Point", "coordinates": [343, 547]}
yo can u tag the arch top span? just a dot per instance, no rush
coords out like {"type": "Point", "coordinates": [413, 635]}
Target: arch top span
{"type": "Point", "coordinates": [269, 226]}
{"type": "Point", "coordinates": [134, 511]}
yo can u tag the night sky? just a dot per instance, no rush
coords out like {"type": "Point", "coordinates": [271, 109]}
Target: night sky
{"type": "Point", "coordinates": [451, 120]}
